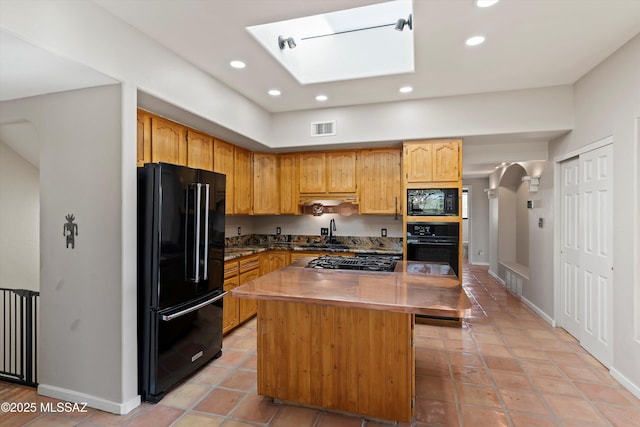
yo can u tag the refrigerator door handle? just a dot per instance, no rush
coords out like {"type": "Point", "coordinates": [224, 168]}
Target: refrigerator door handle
{"type": "Point", "coordinates": [169, 317]}
{"type": "Point", "coordinates": [196, 276]}
{"type": "Point", "coordinates": [192, 264]}
{"type": "Point", "coordinates": [205, 274]}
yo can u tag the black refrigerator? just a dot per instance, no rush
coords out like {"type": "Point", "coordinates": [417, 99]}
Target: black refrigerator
{"type": "Point", "coordinates": [181, 218]}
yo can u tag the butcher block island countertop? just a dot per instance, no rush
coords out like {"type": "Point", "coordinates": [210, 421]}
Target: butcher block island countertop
{"type": "Point", "coordinates": [343, 339]}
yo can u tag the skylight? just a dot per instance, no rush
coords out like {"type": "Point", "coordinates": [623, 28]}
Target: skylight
{"type": "Point", "coordinates": [343, 45]}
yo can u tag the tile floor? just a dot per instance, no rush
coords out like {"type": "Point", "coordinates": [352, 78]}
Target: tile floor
{"type": "Point", "coordinates": [504, 367]}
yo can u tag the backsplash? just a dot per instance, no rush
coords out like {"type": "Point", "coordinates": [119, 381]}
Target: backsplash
{"type": "Point", "coordinates": [273, 240]}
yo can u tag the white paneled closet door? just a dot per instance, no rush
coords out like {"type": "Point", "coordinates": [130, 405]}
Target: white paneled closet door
{"type": "Point", "coordinates": [586, 251]}
{"type": "Point", "coordinates": [596, 258]}
{"type": "Point", "coordinates": [572, 313]}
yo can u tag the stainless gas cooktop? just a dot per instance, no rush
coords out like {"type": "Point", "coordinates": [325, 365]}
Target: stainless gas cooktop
{"type": "Point", "coordinates": [368, 263]}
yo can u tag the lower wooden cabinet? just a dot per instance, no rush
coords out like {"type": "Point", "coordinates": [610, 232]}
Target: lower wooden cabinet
{"type": "Point", "coordinates": [248, 307]}
{"type": "Point", "coordinates": [238, 272]}
{"type": "Point", "coordinates": [242, 270]}
{"type": "Point", "coordinates": [273, 260]}
{"type": "Point", "coordinates": [230, 312]}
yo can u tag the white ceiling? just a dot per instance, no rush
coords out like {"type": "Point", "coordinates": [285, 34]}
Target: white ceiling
{"type": "Point", "coordinates": [529, 44]}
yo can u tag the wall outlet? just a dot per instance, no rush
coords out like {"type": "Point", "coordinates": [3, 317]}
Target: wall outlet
{"type": "Point", "coordinates": [383, 232]}
{"type": "Point", "coordinates": [239, 231]}
{"type": "Point", "coordinates": [278, 231]}
{"type": "Point", "coordinates": [324, 231]}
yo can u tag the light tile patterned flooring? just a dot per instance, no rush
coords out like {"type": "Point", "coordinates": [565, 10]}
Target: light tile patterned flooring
{"type": "Point", "coordinates": [504, 367]}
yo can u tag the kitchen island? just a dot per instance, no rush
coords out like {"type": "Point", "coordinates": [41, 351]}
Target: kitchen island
{"type": "Point", "coordinates": [343, 339]}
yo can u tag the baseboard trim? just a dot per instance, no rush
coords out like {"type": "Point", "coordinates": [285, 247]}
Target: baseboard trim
{"type": "Point", "coordinates": [539, 312]}
{"type": "Point", "coordinates": [495, 276]}
{"type": "Point", "coordinates": [625, 382]}
{"type": "Point", "coordinates": [91, 401]}
{"type": "Point", "coordinates": [484, 264]}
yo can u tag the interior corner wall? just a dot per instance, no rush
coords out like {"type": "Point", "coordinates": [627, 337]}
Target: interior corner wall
{"type": "Point", "coordinates": [76, 30]}
{"type": "Point", "coordinates": [506, 225]}
{"type": "Point", "coordinates": [81, 300]}
{"type": "Point", "coordinates": [522, 224]}
{"type": "Point", "coordinates": [19, 221]}
{"type": "Point", "coordinates": [479, 210]}
{"type": "Point", "coordinates": [607, 104]}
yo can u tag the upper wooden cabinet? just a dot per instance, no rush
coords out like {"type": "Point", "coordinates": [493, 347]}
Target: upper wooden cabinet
{"type": "Point", "coordinates": [330, 172]}
{"type": "Point", "coordinates": [313, 178]}
{"type": "Point", "coordinates": [242, 174]}
{"type": "Point", "coordinates": [432, 161]}
{"type": "Point", "coordinates": [289, 181]}
{"type": "Point", "coordinates": [144, 138]}
{"type": "Point", "coordinates": [380, 184]}
{"type": "Point", "coordinates": [342, 172]}
{"type": "Point", "coordinates": [223, 163]}
{"type": "Point", "coordinates": [199, 150]}
{"type": "Point", "coordinates": [266, 184]}
{"type": "Point", "coordinates": [168, 141]}
{"type": "Point", "coordinates": [161, 140]}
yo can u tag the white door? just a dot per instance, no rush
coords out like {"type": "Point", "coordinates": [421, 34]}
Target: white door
{"type": "Point", "coordinates": [596, 257]}
{"type": "Point", "coordinates": [570, 248]}
{"type": "Point", "coordinates": [586, 251]}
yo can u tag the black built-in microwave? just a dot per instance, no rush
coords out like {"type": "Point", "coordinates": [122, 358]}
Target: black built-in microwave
{"type": "Point", "coordinates": [432, 202]}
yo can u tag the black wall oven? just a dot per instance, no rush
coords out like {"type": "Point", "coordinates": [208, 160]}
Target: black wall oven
{"type": "Point", "coordinates": [434, 242]}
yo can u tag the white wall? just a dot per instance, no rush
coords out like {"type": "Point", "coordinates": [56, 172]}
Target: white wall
{"type": "Point", "coordinates": [479, 212]}
{"type": "Point", "coordinates": [83, 356]}
{"type": "Point", "coordinates": [354, 225]}
{"type": "Point", "coordinates": [19, 222]}
{"type": "Point", "coordinates": [483, 114]}
{"type": "Point", "coordinates": [77, 30]}
{"type": "Point", "coordinates": [607, 103]}
{"type": "Point", "coordinates": [522, 224]}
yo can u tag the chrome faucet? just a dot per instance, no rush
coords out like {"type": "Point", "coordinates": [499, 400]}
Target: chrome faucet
{"type": "Point", "coordinates": [332, 228]}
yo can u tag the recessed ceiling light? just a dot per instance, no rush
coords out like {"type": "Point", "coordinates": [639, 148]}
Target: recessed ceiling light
{"type": "Point", "coordinates": [274, 92]}
{"type": "Point", "coordinates": [485, 3]}
{"type": "Point", "coordinates": [406, 89]}
{"type": "Point", "coordinates": [237, 64]}
{"type": "Point", "coordinates": [322, 98]}
{"type": "Point", "coordinates": [475, 40]}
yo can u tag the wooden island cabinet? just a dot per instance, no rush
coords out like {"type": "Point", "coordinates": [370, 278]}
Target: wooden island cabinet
{"type": "Point", "coordinates": [343, 339]}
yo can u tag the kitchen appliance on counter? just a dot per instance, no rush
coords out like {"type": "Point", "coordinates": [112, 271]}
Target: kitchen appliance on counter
{"type": "Point", "coordinates": [434, 242]}
{"type": "Point", "coordinates": [181, 219]}
{"type": "Point", "coordinates": [367, 263]}
{"type": "Point", "coordinates": [432, 202]}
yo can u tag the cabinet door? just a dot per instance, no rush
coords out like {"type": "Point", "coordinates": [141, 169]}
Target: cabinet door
{"type": "Point", "coordinates": [144, 138]}
{"type": "Point", "coordinates": [223, 163]}
{"type": "Point", "coordinates": [231, 306]}
{"type": "Point", "coordinates": [418, 162]}
{"type": "Point", "coordinates": [242, 181]}
{"type": "Point", "coordinates": [289, 196]}
{"type": "Point", "coordinates": [445, 161]}
{"type": "Point", "coordinates": [380, 181]}
{"type": "Point", "coordinates": [271, 261]}
{"type": "Point", "coordinates": [168, 142]}
{"type": "Point", "coordinates": [199, 150]}
{"type": "Point", "coordinates": [341, 172]}
{"type": "Point", "coordinates": [313, 177]}
{"type": "Point", "coordinates": [248, 307]}
{"type": "Point", "coordinates": [266, 184]}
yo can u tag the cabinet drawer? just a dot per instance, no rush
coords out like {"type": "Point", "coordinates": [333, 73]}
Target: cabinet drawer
{"type": "Point", "coordinates": [231, 269]}
{"type": "Point", "coordinates": [249, 263]}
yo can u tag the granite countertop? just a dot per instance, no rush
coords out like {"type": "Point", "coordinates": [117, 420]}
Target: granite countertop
{"type": "Point", "coordinates": [400, 291]}
{"type": "Point", "coordinates": [239, 247]}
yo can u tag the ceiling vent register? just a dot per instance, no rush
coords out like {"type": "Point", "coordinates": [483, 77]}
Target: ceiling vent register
{"type": "Point", "coordinates": [323, 128]}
